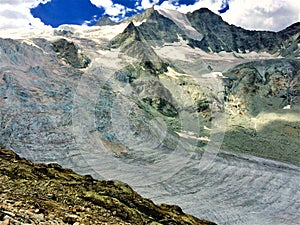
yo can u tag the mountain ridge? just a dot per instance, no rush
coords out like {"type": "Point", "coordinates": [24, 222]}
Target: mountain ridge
{"type": "Point", "coordinates": [217, 34]}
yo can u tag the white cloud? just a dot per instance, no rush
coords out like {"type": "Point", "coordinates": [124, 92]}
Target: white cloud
{"type": "Point", "coordinates": [102, 3]}
{"type": "Point", "coordinates": [89, 22]}
{"type": "Point", "coordinates": [213, 5]}
{"type": "Point", "coordinates": [145, 4]}
{"type": "Point", "coordinates": [263, 15]}
{"type": "Point", "coordinates": [16, 14]}
{"type": "Point", "coordinates": [250, 14]}
{"type": "Point", "coordinates": [115, 11]}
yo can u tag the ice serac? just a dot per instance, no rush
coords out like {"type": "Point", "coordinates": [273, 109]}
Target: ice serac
{"type": "Point", "coordinates": [36, 100]}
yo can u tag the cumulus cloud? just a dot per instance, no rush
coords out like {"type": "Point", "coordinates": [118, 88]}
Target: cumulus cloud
{"type": "Point", "coordinates": [145, 4]}
{"type": "Point", "coordinates": [173, 4]}
{"type": "Point", "coordinates": [263, 15]}
{"type": "Point", "coordinates": [118, 11]}
{"type": "Point", "coordinates": [250, 14]}
{"type": "Point", "coordinates": [102, 3]}
{"type": "Point", "coordinates": [16, 14]}
{"type": "Point", "coordinates": [115, 11]}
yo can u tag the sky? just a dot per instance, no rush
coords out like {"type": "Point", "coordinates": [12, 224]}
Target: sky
{"type": "Point", "coordinates": [271, 15]}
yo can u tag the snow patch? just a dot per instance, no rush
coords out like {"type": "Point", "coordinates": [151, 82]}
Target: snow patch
{"type": "Point", "coordinates": [192, 135]}
{"type": "Point", "coordinates": [172, 73]}
{"type": "Point", "coordinates": [138, 23]}
{"type": "Point", "coordinates": [182, 22]}
{"type": "Point", "coordinates": [213, 75]}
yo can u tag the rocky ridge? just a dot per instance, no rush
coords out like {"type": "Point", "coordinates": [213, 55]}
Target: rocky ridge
{"type": "Point", "coordinates": [216, 34]}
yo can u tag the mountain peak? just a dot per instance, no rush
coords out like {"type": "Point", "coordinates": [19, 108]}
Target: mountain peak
{"type": "Point", "coordinates": [141, 17]}
{"type": "Point", "coordinates": [104, 21]}
{"type": "Point", "coordinates": [204, 10]}
{"type": "Point", "coordinates": [205, 15]}
{"type": "Point", "coordinates": [130, 34]}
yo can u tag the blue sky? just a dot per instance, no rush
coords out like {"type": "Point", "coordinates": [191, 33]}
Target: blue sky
{"type": "Point", "coordinates": [57, 12]}
{"type": "Point", "coordinates": [250, 14]}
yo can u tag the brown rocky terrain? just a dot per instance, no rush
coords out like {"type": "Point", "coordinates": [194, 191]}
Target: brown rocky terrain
{"type": "Point", "coordinates": [48, 194]}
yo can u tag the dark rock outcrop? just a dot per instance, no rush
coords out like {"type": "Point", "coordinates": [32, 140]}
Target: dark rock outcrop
{"type": "Point", "coordinates": [266, 85]}
{"type": "Point", "coordinates": [220, 36]}
{"type": "Point", "coordinates": [155, 29]}
{"type": "Point", "coordinates": [70, 53]}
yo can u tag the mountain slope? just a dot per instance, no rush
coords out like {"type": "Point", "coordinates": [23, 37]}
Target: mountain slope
{"type": "Point", "coordinates": [220, 36]}
{"type": "Point", "coordinates": [263, 104]}
{"type": "Point", "coordinates": [265, 86]}
{"type": "Point", "coordinates": [291, 37]}
{"type": "Point", "coordinates": [134, 44]}
{"type": "Point", "coordinates": [39, 193]}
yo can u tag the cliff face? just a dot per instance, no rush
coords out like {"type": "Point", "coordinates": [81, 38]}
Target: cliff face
{"type": "Point", "coordinates": [40, 194]}
{"type": "Point", "coordinates": [220, 36]}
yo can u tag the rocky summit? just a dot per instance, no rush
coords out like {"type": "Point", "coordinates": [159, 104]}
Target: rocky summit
{"type": "Point", "coordinates": [185, 108]}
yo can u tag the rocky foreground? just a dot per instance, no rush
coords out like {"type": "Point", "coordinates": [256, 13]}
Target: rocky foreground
{"type": "Point", "coordinates": [48, 194]}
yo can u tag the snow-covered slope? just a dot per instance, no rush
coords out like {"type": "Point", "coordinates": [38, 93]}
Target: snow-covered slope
{"type": "Point", "coordinates": [181, 21]}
